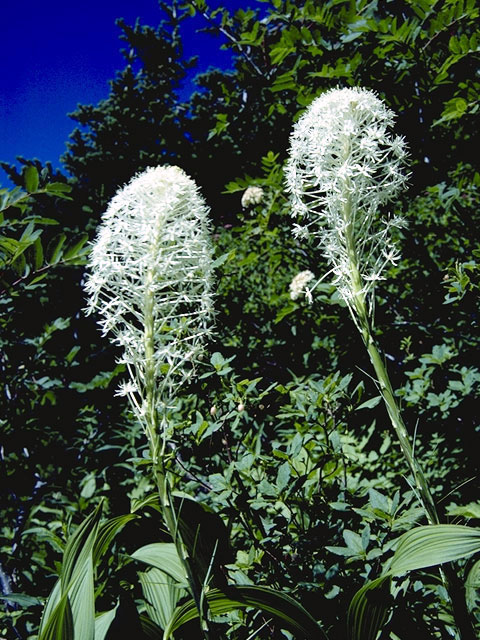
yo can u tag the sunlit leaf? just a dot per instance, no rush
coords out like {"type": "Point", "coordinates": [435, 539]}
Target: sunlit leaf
{"type": "Point", "coordinates": [30, 177]}
{"type": "Point", "coordinates": [472, 586]}
{"type": "Point", "coordinates": [421, 547]}
{"type": "Point", "coordinates": [103, 622]}
{"type": "Point", "coordinates": [161, 593]}
{"type": "Point", "coordinates": [432, 545]}
{"type": "Point", "coordinates": [164, 556]}
{"type": "Point", "coordinates": [107, 532]}
{"type": "Point", "coordinates": [369, 609]}
{"type": "Point", "coordinates": [70, 612]}
{"type": "Point", "coordinates": [274, 603]}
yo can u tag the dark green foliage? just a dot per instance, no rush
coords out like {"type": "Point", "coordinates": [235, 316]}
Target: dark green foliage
{"type": "Point", "coordinates": [281, 437]}
{"type": "Point", "coordinates": [139, 124]}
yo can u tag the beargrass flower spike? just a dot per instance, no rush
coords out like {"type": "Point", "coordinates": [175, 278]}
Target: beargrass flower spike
{"type": "Point", "coordinates": [344, 165]}
{"type": "Point", "coordinates": [252, 196]}
{"type": "Point", "coordinates": [299, 285]}
{"type": "Point", "coordinates": [150, 280]}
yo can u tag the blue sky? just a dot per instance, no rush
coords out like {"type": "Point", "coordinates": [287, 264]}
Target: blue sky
{"type": "Point", "coordinates": [57, 54]}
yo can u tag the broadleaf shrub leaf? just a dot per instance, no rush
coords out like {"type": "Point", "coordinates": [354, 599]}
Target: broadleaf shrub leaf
{"type": "Point", "coordinates": [31, 179]}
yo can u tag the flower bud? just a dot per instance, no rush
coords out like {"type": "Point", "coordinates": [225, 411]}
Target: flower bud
{"type": "Point", "coordinates": [252, 196]}
{"type": "Point", "coordinates": [298, 285]}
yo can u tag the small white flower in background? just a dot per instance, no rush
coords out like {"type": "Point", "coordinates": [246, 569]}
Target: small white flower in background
{"type": "Point", "coordinates": [252, 196]}
{"type": "Point", "coordinates": [150, 279]}
{"type": "Point", "coordinates": [344, 165]}
{"type": "Point", "coordinates": [298, 286]}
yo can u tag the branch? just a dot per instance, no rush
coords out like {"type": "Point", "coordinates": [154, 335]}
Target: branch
{"type": "Point", "coordinates": [230, 36]}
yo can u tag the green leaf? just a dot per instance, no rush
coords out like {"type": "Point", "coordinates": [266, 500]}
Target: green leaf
{"type": "Point", "coordinates": [470, 510]}
{"type": "Point", "coordinates": [57, 620]}
{"type": "Point", "coordinates": [284, 82]}
{"type": "Point", "coordinates": [279, 53]}
{"type": "Point", "coordinates": [89, 486]}
{"type": "Point", "coordinates": [164, 556]}
{"type": "Point", "coordinates": [370, 404]}
{"type": "Point", "coordinates": [30, 178]}
{"type": "Point", "coordinates": [290, 308]}
{"type": "Point", "coordinates": [21, 599]}
{"type": "Point", "coordinates": [223, 258]}
{"type": "Point", "coordinates": [151, 630]}
{"type": "Point", "coordinates": [274, 603]}
{"type": "Point", "coordinates": [70, 611]}
{"type": "Point", "coordinates": [283, 476]}
{"type": "Point", "coordinates": [58, 188]}
{"type": "Point", "coordinates": [56, 248]}
{"type": "Point", "coordinates": [379, 501]}
{"type": "Point", "coordinates": [368, 609]}
{"type": "Point", "coordinates": [205, 537]}
{"type": "Point", "coordinates": [103, 621]}
{"type": "Point", "coordinates": [161, 593]}
{"type": "Point", "coordinates": [38, 254]}
{"type": "Point", "coordinates": [35, 281]}
{"type": "Point", "coordinates": [353, 541]}
{"type": "Point", "coordinates": [79, 546]}
{"type": "Point", "coordinates": [452, 110]}
{"type": "Point", "coordinates": [70, 357]}
{"type": "Point", "coordinates": [422, 547]}
{"type": "Point", "coordinates": [472, 586]}
{"type": "Point", "coordinates": [101, 380]}
{"type": "Point", "coordinates": [431, 545]}
{"type": "Point", "coordinates": [75, 250]}
{"type": "Point", "coordinates": [107, 532]}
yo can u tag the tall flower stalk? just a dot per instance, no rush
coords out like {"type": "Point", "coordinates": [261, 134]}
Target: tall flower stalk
{"type": "Point", "coordinates": [344, 166]}
{"type": "Point", "coordinates": [150, 279]}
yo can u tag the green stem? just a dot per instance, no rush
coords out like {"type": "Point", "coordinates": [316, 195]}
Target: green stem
{"type": "Point", "coordinates": [157, 446]}
{"type": "Point", "coordinates": [361, 318]}
{"type": "Point", "coordinates": [395, 416]}
{"type": "Point", "coordinates": [359, 311]}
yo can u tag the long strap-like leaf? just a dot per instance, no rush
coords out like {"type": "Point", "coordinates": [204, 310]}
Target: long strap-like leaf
{"type": "Point", "coordinates": [422, 547]}
{"type": "Point", "coordinates": [274, 603]}
{"type": "Point", "coordinates": [70, 609]}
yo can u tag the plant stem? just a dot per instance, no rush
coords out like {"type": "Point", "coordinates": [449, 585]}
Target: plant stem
{"type": "Point", "coordinates": [157, 450]}
{"type": "Point", "coordinates": [359, 310]}
{"type": "Point", "coordinates": [396, 419]}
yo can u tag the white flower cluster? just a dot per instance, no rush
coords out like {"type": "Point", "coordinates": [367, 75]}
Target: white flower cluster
{"type": "Point", "coordinates": [298, 285]}
{"type": "Point", "coordinates": [252, 196]}
{"type": "Point", "coordinates": [344, 165]}
{"type": "Point", "coordinates": [150, 278]}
